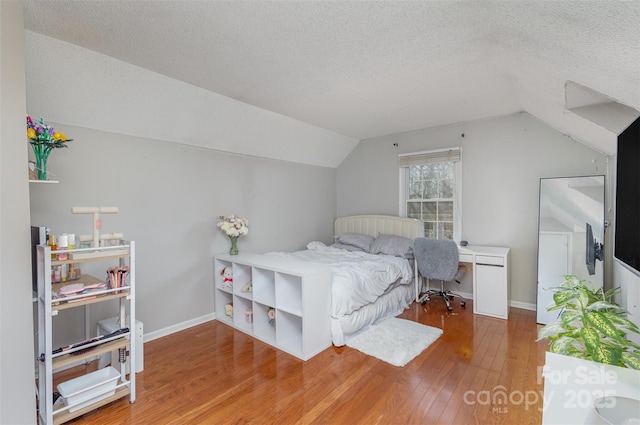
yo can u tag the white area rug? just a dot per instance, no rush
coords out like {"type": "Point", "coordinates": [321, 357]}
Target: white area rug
{"type": "Point", "coordinates": [395, 341]}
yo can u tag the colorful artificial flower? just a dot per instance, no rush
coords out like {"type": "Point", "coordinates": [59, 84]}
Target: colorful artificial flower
{"type": "Point", "coordinates": [44, 135]}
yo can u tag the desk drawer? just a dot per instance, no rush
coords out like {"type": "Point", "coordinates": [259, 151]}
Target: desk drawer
{"type": "Point", "coordinates": [465, 258]}
{"type": "Point", "coordinates": [488, 260]}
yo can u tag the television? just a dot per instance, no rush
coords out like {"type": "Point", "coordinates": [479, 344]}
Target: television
{"type": "Point", "coordinates": [627, 234]}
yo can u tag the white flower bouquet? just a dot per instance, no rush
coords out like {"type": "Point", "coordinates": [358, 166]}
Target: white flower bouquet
{"type": "Point", "coordinates": [233, 227]}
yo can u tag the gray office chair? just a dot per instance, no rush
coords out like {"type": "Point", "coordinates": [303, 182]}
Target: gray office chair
{"type": "Point", "coordinates": [438, 259]}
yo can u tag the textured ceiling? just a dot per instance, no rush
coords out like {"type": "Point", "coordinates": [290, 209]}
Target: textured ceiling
{"type": "Point", "coordinates": [364, 69]}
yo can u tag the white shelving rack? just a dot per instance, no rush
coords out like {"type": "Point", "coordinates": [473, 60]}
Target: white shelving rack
{"type": "Point", "coordinates": [298, 291]}
{"type": "Point", "coordinates": [49, 304]}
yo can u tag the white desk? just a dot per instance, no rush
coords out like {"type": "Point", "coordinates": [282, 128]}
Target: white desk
{"type": "Point", "coordinates": [491, 283]}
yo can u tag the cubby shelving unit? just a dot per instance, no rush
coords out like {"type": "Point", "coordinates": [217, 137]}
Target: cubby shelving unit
{"type": "Point", "coordinates": [299, 293]}
{"type": "Point", "coordinates": [50, 303]}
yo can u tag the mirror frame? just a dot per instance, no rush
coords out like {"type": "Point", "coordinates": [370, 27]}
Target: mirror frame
{"type": "Point", "coordinates": [571, 229]}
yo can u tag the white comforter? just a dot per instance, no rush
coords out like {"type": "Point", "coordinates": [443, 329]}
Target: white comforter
{"type": "Point", "coordinates": [359, 278]}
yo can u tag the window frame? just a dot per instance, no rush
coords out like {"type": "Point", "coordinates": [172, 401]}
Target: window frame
{"type": "Point", "coordinates": [457, 198]}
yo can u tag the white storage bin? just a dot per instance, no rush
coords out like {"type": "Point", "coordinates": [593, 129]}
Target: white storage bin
{"type": "Point", "coordinates": [87, 389]}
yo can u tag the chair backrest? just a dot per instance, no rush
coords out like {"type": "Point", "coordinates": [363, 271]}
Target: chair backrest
{"type": "Point", "coordinates": [436, 258]}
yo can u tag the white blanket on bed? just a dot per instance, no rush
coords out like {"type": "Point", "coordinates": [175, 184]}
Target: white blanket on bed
{"type": "Point", "coordinates": [359, 278]}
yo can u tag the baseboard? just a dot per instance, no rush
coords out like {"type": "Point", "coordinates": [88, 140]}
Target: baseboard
{"type": "Point", "coordinates": [465, 295]}
{"type": "Point", "coordinates": [178, 327]}
{"type": "Point", "coordinates": [516, 304]}
{"type": "Point", "coordinates": [524, 306]}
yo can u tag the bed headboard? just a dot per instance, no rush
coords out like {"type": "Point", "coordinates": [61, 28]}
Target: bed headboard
{"type": "Point", "coordinates": [372, 225]}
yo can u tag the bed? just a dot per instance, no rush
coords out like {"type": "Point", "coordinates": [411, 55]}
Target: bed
{"type": "Point", "coordinates": [373, 273]}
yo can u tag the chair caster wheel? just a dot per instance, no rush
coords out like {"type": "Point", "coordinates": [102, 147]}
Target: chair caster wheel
{"type": "Point", "coordinates": [462, 303]}
{"type": "Point", "coordinates": [449, 308]}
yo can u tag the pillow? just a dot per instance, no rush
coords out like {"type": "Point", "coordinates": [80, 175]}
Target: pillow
{"type": "Point", "coordinates": [351, 248]}
{"type": "Point", "coordinates": [356, 239]}
{"type": "Point", "coordinates": [398, 246]}
{"type": "Point", "coordinates": [317, 245]}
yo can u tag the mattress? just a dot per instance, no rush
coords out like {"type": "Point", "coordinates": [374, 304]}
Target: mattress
{"type": "Point", "coordinates": [365, 287]}
{"type": "Point", "coordinates": [388, 305]}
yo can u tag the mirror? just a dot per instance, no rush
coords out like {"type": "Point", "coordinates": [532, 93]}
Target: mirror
{"type": "Point", "coordinates": [570, 235]}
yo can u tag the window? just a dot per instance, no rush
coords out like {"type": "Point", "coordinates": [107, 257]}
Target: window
{"type": "Point", "coordinates": [430, 191]}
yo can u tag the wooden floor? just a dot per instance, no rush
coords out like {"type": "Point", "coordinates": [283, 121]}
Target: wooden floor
{"type": "Point", "coordinates": [480, 371]}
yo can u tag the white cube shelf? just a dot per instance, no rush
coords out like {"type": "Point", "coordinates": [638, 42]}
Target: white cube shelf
{"type": "Point", "coordinates": [263, 327]}
{"type": "Point", "coordinates": [264, 286]}
{"type": "Point", "coordinates": [298, 291]}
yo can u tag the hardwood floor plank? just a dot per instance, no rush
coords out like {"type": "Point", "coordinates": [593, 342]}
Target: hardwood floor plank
{"type": "Point", "coordinates": [456, 401]}
{"type": "Point", "coordinates": [213, 374]}
{"type": "Point", "coordinates": [468, 408]}
{"type": "Point", "coordinates": [428, 399]}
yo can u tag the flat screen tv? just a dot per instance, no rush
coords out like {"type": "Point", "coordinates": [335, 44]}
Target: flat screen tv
{"type": "Point", "coordinates": [627, 237]}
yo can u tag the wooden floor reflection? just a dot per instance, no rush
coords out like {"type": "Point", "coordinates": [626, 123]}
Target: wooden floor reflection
{"type": "Point", "coordinates": [480, 371]}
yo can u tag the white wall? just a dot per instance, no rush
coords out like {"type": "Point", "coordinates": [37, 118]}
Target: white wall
{"type": "Point", "coordinates": [629, 297]}
{"type": "Point", "coordinates": [76, 86]}
{"type": "Point", "coordinates": [17, 397]}
{"type": "Point", "coordinates": [503, 160]}
{"type": "Point", "coordinates": [169, 196]}
{"type": "Point", "coordinates": [143, 142]}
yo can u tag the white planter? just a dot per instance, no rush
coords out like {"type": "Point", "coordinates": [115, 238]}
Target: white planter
{"type": "Point", "coordinates": [614, 411]}
{"type": "Point", "coordinates": [571, 386]}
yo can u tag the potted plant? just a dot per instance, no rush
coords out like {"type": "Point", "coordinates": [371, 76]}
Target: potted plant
{"type": "Point", "coordinates": [592, 368]}
{"type": "Point", "coordinates": [590, 325]}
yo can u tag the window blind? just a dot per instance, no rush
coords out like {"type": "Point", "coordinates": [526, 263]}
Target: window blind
{"type": "Point", "coordinates": [421, 158]}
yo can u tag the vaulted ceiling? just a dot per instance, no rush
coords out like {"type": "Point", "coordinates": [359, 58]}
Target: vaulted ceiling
{"type": "Point", "coordinates": [370, 68]}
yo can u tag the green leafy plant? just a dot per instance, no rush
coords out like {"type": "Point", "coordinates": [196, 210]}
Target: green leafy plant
{"type": "Point", "coordinates": [590, 325]}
